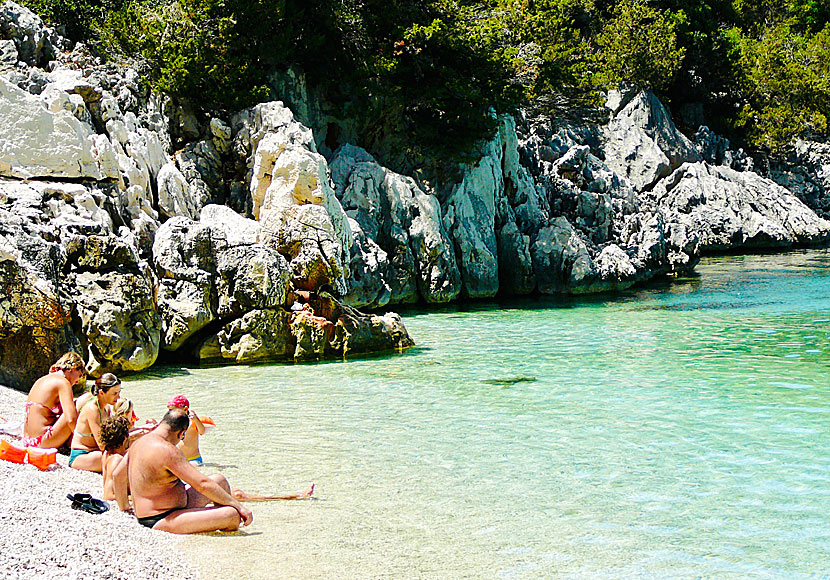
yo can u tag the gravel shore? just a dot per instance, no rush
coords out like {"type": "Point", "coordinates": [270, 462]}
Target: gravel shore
{"type": "Point", "coordinates": [41, 536]}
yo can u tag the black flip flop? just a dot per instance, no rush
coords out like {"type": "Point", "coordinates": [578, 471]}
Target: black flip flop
{"type": "Point", "coordinates": [84, 501]}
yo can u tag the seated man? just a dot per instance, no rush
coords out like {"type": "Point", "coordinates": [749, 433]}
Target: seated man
{"type": "Point", "coordinates": [155, 472]}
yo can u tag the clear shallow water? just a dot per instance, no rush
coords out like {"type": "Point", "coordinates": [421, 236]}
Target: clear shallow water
{"type": "Point", "coordinates": [680, 431]}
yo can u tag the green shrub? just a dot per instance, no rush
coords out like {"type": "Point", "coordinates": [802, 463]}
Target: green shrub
{"type": "Point", "coordinates": [785, 85]}
{"type": "Point", "coordinates": [639, 46]}
{"type": "Point", "coordinates": [427, 75]}
{"type": "Point", "coordinates": [80, 19]}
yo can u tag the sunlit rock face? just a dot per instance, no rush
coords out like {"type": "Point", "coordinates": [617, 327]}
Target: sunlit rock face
{"type": "Point", "coordinates": [292, 197]}
{"type": "Point", "coordinates": [401, 244]}
{"type": "Point", "coordinates": [737, 209]}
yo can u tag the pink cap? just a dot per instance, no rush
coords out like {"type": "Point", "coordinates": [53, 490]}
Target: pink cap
{"type": "Point", "coordinates": [179, 401]}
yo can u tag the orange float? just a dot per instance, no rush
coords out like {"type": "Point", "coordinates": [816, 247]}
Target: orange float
{"type": "Point", "coordinates": [42, 458]}
{"type": "Point", "coordinates": [208, 423]}
{"type": "Point", "coordinates": [11, 452]}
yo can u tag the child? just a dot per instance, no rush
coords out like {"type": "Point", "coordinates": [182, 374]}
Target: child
{"type": "Point", "coordinates": [124, 408]}
{"type": "Point", "coordinates": [190, 444]}
{"type": "Point", "coordinates": [115, 436]}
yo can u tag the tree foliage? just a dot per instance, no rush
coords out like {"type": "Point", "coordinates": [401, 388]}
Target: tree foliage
{"type": "Point", "coordinates": [432, 72]}
{"type": "Point", "coordinates": [785, 83]}
{"type": "Point", "coordinates": [639, 46]}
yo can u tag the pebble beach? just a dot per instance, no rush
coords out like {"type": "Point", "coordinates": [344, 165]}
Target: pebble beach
{"type": "Point", "coordinates": [41, 536]}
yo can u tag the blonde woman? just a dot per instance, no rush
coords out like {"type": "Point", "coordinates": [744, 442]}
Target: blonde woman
{"type": "Point", "coordinates": [87, 445]}
{"type": "Point", "coordinates": [50, 409]}
{"type": "Point", "coordinates": [124, 408]}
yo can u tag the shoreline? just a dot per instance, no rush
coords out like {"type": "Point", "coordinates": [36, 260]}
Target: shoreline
{"type": "Point", "coordinates": [41, 536]}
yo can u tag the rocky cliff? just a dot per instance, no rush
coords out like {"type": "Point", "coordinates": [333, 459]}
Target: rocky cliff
{"type": "Point", "coordinates": [128, 229]}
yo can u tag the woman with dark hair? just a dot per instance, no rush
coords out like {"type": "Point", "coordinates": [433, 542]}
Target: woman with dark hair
{"type": "Point", "coordinates": [87, 446]}
{"type": "Point", "coordinates": [50, 408]}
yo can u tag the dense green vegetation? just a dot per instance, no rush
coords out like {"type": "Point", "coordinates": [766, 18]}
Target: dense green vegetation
{"type": "Point", "coordinates": [433, 71]}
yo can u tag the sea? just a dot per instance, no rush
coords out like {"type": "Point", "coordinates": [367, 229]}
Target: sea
{"type": "Point", "coordinates": [675, 430]}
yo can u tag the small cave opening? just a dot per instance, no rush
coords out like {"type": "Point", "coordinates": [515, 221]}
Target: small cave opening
{"type": "Point", "coordinates": [332, 136]}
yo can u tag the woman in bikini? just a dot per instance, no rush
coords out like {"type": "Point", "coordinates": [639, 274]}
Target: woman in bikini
{"type": "Point", "coordinates": [50, 409]}
{"type": "Point", "coordinates": [87, 446]}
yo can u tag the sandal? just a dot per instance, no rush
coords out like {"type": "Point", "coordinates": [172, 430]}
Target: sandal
{"type": "Point", "coordinates": [84, 501]}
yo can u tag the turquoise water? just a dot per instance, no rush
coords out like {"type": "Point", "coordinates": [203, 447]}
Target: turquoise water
{"type": "Point", "coordinates": [677, 431]}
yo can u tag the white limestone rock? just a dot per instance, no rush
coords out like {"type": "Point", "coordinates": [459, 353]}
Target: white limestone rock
{"type": "Point", "coordinates": [399, 217]}
{"type": "Point", "coordinates": [470, 218]}
{"type": "Point", "coordinates": [8, 54]}
{"type": "Point", "coordinates": [214, 269]}
{"type": "Point", "coordinates": [369, 267]}
{"type": "Point", "coordinates": [105, 155]}
{"type": "Point", "coordinates": [73, 81]}
{"type": "Point", "coordinates": [804, 169]}
{"type": "Point", "coordinates": [561, 259]}
{"type": "Point", "coordinates": [251, 125]}
{"type": "Point", "coordinates": [201, 166]}
{"type": "Point", "coordinates": [33, 40]}
{"type": "Point", "coordinates": [299, 213]}
{"type": "Point", "coordinates": [615, 268]}
{"type": "Point", "coordinates": [36, 143]}
{"type": "Point", "coordinates": [257, 336]}
{"type": "Point", "coordinates": [642, 143]}
{"type": "Point", "coordinates": [119, 319]}
{"type": "Point", "coordinates": [173, 194]}
{"type": "Point", "coordinates": [222, 135]}
{"type": "Point", "coordinates": [515, 262]}
{"type": "Point", "coordinates": [733, 209]}
{"type": "Point", "coordinates": [235, 229]}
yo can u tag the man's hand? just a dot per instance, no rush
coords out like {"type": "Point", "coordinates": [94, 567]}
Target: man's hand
{"type": "Point", "coordinates": [246, 515]}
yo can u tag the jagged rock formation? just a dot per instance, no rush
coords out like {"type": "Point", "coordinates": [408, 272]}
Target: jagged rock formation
{"type": "Point", "coordinates": [641, 142]}
{"type": "Point", "coordinates": [110, 244]}
{"type": "Point", "coordinates": [390, 209]}
{"type": "Point", "coordinates": [805, 171]}
{"type": "Point", "coordinates": [731, 209]}
{"type": "Point", "coordinates": [257, 237]}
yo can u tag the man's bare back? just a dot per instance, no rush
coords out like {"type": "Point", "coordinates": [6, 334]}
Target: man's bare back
{"type": "Point", "coordinates": [154, 487]}
{"type": "Point", "coordinates": [156, 471]}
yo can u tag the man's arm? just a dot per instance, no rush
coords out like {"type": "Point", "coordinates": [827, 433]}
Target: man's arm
{"type": "Point", "coordinates": [179, 466]}
{"type": "Point", "coordinates": [121, 484]}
